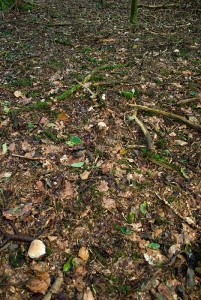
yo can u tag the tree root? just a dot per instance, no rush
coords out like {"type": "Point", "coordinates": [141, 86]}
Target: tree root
{"type": "Point", "coordinates": [55, 287]}
{"type": "Point", "coordinates": [145, 131]}
{"type": "Point", "coordinates": [168, 114]}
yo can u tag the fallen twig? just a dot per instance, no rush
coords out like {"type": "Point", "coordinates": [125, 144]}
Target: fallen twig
{"type": "Point", "coordinates": [74, 89]}
{"type": "Point", "coordinates": [29, 158]}
{"type": "Point", "coordinates": [187, 220]}
{"type": "Point", "coordinates": [189, 100]}
{"type": "Point", "coordinates": [145, 131]}
{"type": "Point", "coordinates": [55, 287]}
{"type": "Point", "coordinates": [19, 237]}
{"type": "Point", "coordinates": [168, 114]}
{"type": "Point", "coordinates": [159, 6]}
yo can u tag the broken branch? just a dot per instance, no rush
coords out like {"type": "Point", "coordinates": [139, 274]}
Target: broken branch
{"type": "Point", "coordinates": [145, 131]}
{"type": "Point", "coordinates": [167, 114]}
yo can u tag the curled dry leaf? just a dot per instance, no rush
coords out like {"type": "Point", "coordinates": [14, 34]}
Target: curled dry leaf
{"type": "Point", "coordinates": [83, 253]}
{"type": "Point", "coordinates": [39, 283]}
{"type": "Point", "coordinates": [85, 175]}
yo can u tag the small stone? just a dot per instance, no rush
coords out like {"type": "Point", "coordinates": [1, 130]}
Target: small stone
{"type": "Point", "coordinates": [36, 249]}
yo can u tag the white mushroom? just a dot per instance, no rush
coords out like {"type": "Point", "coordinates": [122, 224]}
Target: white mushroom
{"type": "Point", "coordinates": [36, 249]}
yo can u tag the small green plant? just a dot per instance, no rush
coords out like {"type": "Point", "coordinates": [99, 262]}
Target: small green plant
{"type": "Point", "coordinates": [74, 141]}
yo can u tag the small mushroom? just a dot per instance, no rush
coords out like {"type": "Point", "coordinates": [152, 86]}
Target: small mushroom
{"type": "Point", "coordinates": [36, 249]}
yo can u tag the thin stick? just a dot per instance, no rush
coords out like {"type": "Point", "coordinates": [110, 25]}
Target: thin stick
{"type": "Point", "coordinates": [168, 114]}
{"type": "Point", "coordinates": [145, 131]}
{"type": "Point", "coordinates": [28, 158]}
{"type": "Point", "coordinates": [189, 100]}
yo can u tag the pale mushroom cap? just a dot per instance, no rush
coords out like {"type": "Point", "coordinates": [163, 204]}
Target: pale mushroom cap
{"type": "Point", "coordinates": [36, 249]}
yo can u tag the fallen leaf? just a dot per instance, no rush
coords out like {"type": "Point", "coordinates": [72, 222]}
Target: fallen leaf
{"type": "Point", "coordinates": [85, 175]}
{"type": "Point", "coordinates": [103, 186]}
{"type": "Point", "coordinates": [79, 284]}
{"type": "Point", "coordinates": [80, 271]}
{"type": "Point", "coordinates": [40, 186]}
{"type": "Point", "coordinates": [39, 283]}
{"type": "Point", "coordinates": [83, 253]}
{"type": "Point", "coordinates": [108, 203]}
{"type": "Point", "coordinates": [154, 257]}
{"type": "Point", "coordinates": [68, 190]}
{"type": "Point", "coordinates": [17, 211]}
{"type": "Point", "coordinates": [18, 94]}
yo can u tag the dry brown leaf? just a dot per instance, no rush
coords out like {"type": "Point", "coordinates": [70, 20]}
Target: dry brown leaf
{"type": "Point", "coordinates": [106, 167]}
{"type": "Point", "coordinates": [40, 186]}
{"type": "Point", "coordinates": [39, 283]}
{"type": "Point", "coordinates": [108, 203]}
{"type": "Point", "coordinates": [17, 211]}
{"type": "Point", "coordinates": [68, 190]}
{"type": "Point", "coordinates": [79, 284]}
{"type": "Point", "coordinates": [80, 271]}
{"type": "Point", "coordinates": [103, 186]}
{"type": "Point", "coordinates": [83, 253]}
{"type": "Point", "coordinates": [11, 147]}
{"type": "Point", "coordinates": [63, 116]}
{"type": "Point", "coordinates": [157, 232]}
{"type": "Point", "coordinates": [85, 175]}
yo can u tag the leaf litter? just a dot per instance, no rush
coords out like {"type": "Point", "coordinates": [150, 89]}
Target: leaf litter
{"type": "Point", "coordinates": [119, 219]}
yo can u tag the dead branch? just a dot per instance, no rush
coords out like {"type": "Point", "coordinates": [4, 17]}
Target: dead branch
{"type": "Point", "coordinates": [145, 131]}
{"type": "Point", "coordinates": [188, 220]}
{"type": "Point", "coordinates": [168, 114]}
{"type": "Point", "coordinates": [189, 100]}
{"type": "Point", "coordinates": [18, 237]}
{"type": "Point", "coordinates": [55, 287]}
{"type": "Point", "coordinates": [28, 158]}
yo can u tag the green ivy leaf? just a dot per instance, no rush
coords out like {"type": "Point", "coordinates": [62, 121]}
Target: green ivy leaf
{"type": "Point", "coordinates": [68, 264]}
{"type": "Point", "coordinates": [77, 164]}
{"type": "Point", "coordinates": [143, 208]}
{"type": "Point", "coordinates": [153, 246]}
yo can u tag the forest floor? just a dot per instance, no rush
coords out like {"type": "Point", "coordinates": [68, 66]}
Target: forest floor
{"type": "Point", "coordinates": [113, 190]}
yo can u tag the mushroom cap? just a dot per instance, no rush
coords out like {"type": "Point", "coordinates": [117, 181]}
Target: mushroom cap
{"type": "Point", "coordinates": [36, 249]}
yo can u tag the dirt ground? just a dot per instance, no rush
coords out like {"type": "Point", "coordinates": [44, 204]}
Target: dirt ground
{"type": "Point", "coordinates": [112, 189]}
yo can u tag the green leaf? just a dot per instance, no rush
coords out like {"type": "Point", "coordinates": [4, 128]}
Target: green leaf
{"type": "Point", "coordinates": [143, 208]}
{"type": "Point", "coordinates": [128, 95]}
{"type": "Point", "coordinates": [130, 218]}
{"type": "Point", "coordinates": [74, 140]}
{"type": "Point", "coordinates": [183, 172]}
{"type": "Point", "coordinates": [68, 264]}
{"type": "Point", "coordinates": [77, 164]}
{"type": "Point", "coordinates": [125, 230]}
{"type": "Point", "coordinates": [153, 246]}
{"type": "Point", "coordinates": [4, 148]}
